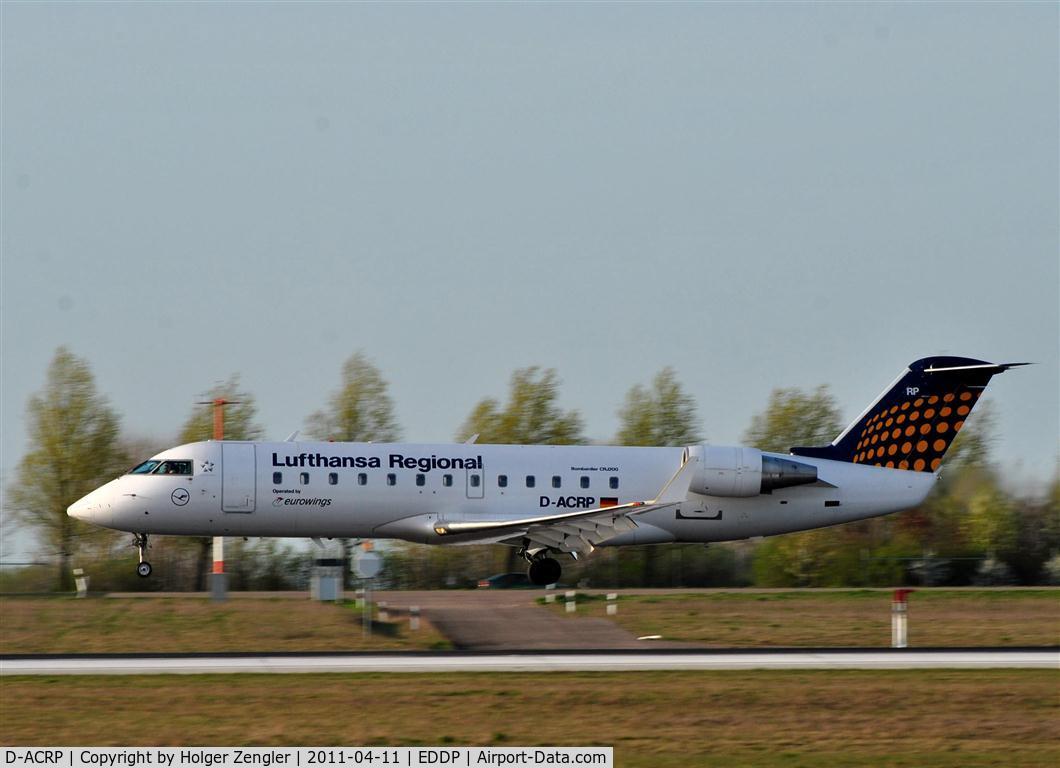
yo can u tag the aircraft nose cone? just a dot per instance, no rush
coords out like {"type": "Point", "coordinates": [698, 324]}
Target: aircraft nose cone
{"type": "Point", "coordinates": [82, 509]}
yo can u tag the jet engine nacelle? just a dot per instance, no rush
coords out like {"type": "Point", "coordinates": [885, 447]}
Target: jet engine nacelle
{"type": "Point", "coordinates": [738, 471]}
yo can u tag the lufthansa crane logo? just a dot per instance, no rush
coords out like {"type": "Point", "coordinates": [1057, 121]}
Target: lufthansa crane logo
{"type": "Point", "coordinates": [180, 497]}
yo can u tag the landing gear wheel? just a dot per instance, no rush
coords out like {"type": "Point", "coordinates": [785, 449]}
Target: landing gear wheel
{"type": "Point", "coordinates": [143, 568]}
{"type": "Point", "coordinates": [544, 571]}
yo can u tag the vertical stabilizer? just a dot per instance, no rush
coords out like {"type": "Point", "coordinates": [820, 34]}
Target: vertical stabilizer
{"type": "Point", "coordinates": [912, 424]}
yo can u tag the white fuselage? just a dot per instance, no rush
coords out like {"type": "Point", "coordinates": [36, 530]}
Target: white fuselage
{"type": "Point", "coordinates": [401, 491]}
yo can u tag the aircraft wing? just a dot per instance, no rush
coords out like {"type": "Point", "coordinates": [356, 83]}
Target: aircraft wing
{"type": "Point", "coordinates": [580, 530]}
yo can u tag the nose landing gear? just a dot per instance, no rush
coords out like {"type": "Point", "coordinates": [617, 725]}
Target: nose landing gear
{"type": "Point", "coordinates": [143, 568]}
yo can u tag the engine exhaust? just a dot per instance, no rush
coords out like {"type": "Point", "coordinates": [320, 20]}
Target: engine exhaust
{"type": "Point", "coordinates": [785, 473]}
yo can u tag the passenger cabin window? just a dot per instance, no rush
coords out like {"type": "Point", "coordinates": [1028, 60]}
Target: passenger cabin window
{"type": "Point", "coordinates": [303, 477]}
{"type": "Point", "coordinates": [391, 479]}
{"type": "Point", "coordinates": [421, 480]}
{"type": "Point", "coordinates": [362, 478]}
{"type": "Point", "coordinates": [530, 481]}
{"type": "Point", "coordinates": [277, 478]}
{"type": "Point", "coordinates": [333, 478]}
{"type": "Point", "coordinates": [447, 481]}
{"type": "Point", "coordinates": [584, 481]}
{"type": "Point", "coordinates": [556, 481]}
{"type": "Point", "coordinates": [502, 481]}
{"type": "Point", "coordinates": [476, 481]}
{"type": "Point", "coordinates": [613, 482]}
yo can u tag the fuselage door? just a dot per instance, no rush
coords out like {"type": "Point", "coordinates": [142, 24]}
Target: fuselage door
{"type": "Point", "coordinates": [476, 484]}
{"type": "Point", "coordinates": [238, 470]}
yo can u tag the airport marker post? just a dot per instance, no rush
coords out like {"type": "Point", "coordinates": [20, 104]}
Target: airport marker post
{"type": "Point", "coordinates": [900, 618]}
{"type": "Point", "coordinates": [367, 565]}
{"type": "Point", "coordinates": [81, 581]}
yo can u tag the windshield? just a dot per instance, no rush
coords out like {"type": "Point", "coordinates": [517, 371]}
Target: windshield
{"type": "Point", "coordinates": [168, 467]}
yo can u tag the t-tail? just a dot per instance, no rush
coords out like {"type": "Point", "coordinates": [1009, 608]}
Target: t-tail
{"type": "Point", "coordinates": [912, 424]}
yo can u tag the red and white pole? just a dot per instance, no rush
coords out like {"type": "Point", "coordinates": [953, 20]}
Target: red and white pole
{"type": "Point", "coordinates": [900, 618]}
{"type": "Point", "coordinates": [218, 556]}
{"type": "Point", "coordinates": [218, 582]}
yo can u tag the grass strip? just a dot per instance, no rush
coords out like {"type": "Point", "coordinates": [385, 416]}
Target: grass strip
{"type": "Point", "coordinates": [800, 718]}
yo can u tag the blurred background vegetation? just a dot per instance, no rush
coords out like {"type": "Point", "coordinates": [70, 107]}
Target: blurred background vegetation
{"type": "Point", "coordinates": [972, 530]}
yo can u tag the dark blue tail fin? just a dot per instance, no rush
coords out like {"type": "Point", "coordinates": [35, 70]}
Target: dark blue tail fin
{"type": "Point", "coordinates": [912, 424]}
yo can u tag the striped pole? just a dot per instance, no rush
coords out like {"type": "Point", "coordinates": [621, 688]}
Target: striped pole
{"type": "Point", "coordinates": [900, 618]}
{"type": "Point", "coordinates": [218, 582]}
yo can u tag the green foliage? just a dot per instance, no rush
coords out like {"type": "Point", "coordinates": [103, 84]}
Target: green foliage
{"type": "Point", "coordinates": [864, 554]}
{"type": "Point", "coordinates": [266, 564]}
{"type": "Point", "coordinates": [73, 436]}
{"type": "Point", "coordinates": [419, 566]}
{"type": "Point", "coordinates": [663, 414]}
{"type": "Point", "coordinates": [239, 417]}
{"type": "Point", "coordinates": [794, 417]}
{"type": "Point", "coordinates": [991, 525]}
{"type": "Point", "coordinates": [530, 417]}
{"type": "Point", "coordinates": [360, 410]}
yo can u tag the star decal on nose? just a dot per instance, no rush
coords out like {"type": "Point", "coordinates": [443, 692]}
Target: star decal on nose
{"type": "Point", "coordinates": [207, 466]}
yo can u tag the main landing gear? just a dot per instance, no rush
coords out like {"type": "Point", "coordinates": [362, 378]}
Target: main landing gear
{"type": "Point", "coordinates": [143, 568]}
{"type": "Point", "coordinates": [544, 571]}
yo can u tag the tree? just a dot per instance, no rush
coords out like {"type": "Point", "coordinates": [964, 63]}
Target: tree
{"type": "Point", "coordinates": [361, 410]}
{"type": "Point", "coordinates": [662, 415]}
{"type": "Point", "coordinates": [73, 450]}
{"type": "Point", "coordinates": [239, 424]}
{"type": "Point", "coordinates": [794, 417]}
{"type": "Point", "coordinates": [530, 417]}
{"type": "Point", "coordinates": [239, 416]}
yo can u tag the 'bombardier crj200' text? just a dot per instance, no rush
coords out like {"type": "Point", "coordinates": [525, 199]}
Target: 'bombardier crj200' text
{"type": "Point", "coordinates": [551, 500]}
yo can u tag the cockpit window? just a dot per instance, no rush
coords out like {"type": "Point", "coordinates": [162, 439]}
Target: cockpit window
{"type": "Point", "coordinates": [172, 467]}
{"type": "Point", "coordinates": [156, 467]}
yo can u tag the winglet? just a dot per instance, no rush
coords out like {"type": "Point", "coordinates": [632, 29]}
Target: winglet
{"type": "Point", "coordinates": [676, 490]}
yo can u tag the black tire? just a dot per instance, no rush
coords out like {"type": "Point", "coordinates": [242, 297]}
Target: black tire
{"type": "Point", "coordinates": [143, 570]}
{"type": "Point", "coordinates": [543, 572]}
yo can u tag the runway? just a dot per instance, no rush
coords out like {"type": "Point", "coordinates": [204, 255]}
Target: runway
{"type": "Point", "coordinates": [866, 659]}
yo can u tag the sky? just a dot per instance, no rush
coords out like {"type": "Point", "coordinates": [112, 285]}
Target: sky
{"type": "Point", "coordinates": [759, 195]}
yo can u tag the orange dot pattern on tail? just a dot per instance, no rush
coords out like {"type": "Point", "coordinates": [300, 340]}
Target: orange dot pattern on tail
{"type": "Point", "coordinates": [918, 438]}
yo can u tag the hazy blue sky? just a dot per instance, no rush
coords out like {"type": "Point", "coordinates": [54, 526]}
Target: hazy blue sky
{"type": "Point", "coordinates": [759, 195]}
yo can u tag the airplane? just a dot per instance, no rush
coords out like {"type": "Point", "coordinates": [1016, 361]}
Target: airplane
{"type": "Point", "coordinates": [551, 500]}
